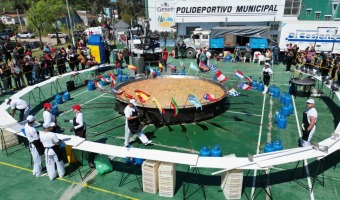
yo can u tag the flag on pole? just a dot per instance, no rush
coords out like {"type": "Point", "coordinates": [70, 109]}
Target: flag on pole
{"type": "Point", "coordinates": [127, 95]}
{"type": "Point", "coordinates": [213, 68]}
{"type": "Point", "coordinates": [244, 86]}
{"type": "Point", "coordinates": [153, 73]}
{"type": "Point", "coordinates": [239, 74]}
{"type": "Point", "coordinates": [113, 77]}
{"type": "Point", "coordinates": [174, 105]}
{"type": "Point", "coordinates": [117, 92]}
{"type": "Point", "coordinates": [182, 64]}
{"type": "Point", "coordinates": [142, 96]}
{"type": "Point", "coordinates": [99, 86]}
{"type": "Point", "coordinates": [220, 77]}
{"type": "Point", "coordinates": [131, 67]}
{"type": "Point", "coordinates": [247, 78]}
{"type": "Point", "coordinates": [104, 79]}
{"type": "Point", "coordinates": [209, 97]}
{"type": "Point", "coordinates": [193, 67]}
{"type": "Point", "coordinates": [192, 99]}
{"type": "Point", "coordinates": [159, 106]}
{"type": "Point", "coordinates": [160, 67]}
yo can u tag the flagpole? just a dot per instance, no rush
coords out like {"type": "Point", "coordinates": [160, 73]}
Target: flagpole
{"type": "Point", "coordinates": [186, 101]}
{"type": "Point", "coordinates": [160, 113]}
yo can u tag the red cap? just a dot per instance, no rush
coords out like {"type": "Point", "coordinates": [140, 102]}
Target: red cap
{"type": "Point", "coordinates": [76, 107]}
{"type": "Point", "coordinates": [27, 53]}
{"type": "Point", "coordinates": [47, 105]}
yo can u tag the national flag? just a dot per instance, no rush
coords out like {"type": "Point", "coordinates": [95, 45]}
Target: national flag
{"type": "Point", "coordinates": [213, 68]}
{"type": "Point", "coordinates": [220, 77]}
{"type": "Point", "coordinates": [193, 67]}
{"type": "Point", "coordinates": [131, 67]}
{"type": "Point", "coordinates": [159, 106]}
{"type": "Point", "coordinates": [247, 78]}
{"type": "Point", "coordinates": [160, 67]}
{"type": "Point", "coordinates": [113, 84]}
{"type": "Point", "coordinates": [239, 74]}
{"type": "Point", "coordinates": [142, 96]}
{"type": "Point", "coordinates": [233, 92]}
{"type": "Point", "coordinates": [244, 86]}
{"type": "Point", "coordinates": [117, 92]}
{"type": "Point", "coordinates": [182, 64]}
{"type": "Point", "coordinates": [174, 105]}
{"type": "Point", "coordinates": [153, 73]}
{"type": "Point", "coordinates": [99, 86]}
{"type": "Point", "coordinates": [209, 97]}
{"type": "Point", "coordinates": [129, 96]}
{"type": "Point", "coordinates": [113, 77]}
{"type": "Point", "coordinates": [104, 79]}
{"type": "Point", "coordinates": [192, 99]}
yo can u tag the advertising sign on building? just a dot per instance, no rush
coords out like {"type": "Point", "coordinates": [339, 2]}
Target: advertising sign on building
{"type": "Point", "coordinates": [165, 13]}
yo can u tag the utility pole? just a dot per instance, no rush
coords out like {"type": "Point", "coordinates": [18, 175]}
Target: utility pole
{"type": "Point", "coordinates": [19, 20]}
{"type": "Point", "coordinates": [71, 27]}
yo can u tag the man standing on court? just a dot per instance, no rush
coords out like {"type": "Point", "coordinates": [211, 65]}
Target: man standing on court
{"type": "Point", "coordinates": [309, 120]}
{"type": "Point", "coordinates": [35, 145]}
{"type": "Point", "coordinates": [21, 105]}
{"type": "Point", "coordinates": [79, 126]}
{"type": "Point", "coordinates": [266, 73]}
{"type": "Point", "coordinates": [49, 117]}
{"type": "Point", "coordinates": [53, 155]}
{"type": "Point", "coordinates": [133, 125]}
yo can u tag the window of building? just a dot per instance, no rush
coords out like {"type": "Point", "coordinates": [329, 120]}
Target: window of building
{"type": "Point", "coordinates": [327, 17]}
{"type": "Point", "coordinates": [205, 36]}
{"type": "Point", "coordinates": [292, 7]}
{"type": "Point", "coordinates": [308, 11]}
{"type": "Point", "coordinates": [317, 15]}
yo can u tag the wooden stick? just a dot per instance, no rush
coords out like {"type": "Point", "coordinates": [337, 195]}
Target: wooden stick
{"type": "Point", "coordinates": [108, 130]}
{"type": "Point", "coordinates": [104, 122]}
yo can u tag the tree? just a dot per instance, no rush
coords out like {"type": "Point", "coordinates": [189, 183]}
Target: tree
{"type": "Point", "coordinates": [43, 13]}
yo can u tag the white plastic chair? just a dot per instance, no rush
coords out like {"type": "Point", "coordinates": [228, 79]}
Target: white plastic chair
{"type": "Point", "coordinates": [261, 58]}
{"type": "Point", "coordinates": [256, 56]}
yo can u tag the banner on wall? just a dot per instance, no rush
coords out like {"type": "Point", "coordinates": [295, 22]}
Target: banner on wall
{"type": "Point", "coordinates": [166, 13]}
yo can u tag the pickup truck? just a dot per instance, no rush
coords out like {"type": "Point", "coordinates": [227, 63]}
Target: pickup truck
{"type": "Point", "coordinates": [54, 35]}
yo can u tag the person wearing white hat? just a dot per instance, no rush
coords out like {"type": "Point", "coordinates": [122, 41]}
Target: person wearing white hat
{"type": "Point", "coordinates": [133, 125]}
{"type": "Point", "coordinates": [309, 120]}
{"type": "Point", "coordinates": [266, 73]}
{"type": "Point", "coordinates": [35, 145]}
{"type": "Point", "coordinates": [53, 155]}
{"type": "Point", "coordinates": [21, 105]}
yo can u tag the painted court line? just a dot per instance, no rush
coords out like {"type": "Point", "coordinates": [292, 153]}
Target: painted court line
{"type": "Point", "coordinates": [258, 147]}
{"type": "Point", "coordinates": [251, 114]}
{"type": "Point", "coordinates": [72, 182]}
{"type": "Point", "coordinates": [305, 161]}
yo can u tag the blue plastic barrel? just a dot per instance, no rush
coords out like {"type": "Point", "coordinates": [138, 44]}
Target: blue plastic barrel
{"type": "Point", "coordinates": [90, 86]}
{"type": "Point", "coordinates": [58, 99]}
{"type": "Point", "coordinates": [277, 116]}
{"type": "Point", "coordinates": [254, 85]}
{"type": "Point", "coordinates": [283, 97]}
{"type": "Point", "coordinates": [291, 108]}
{"type": "Point", "coordinates": [129, 160]}
{"type": "Point", "coordinates": [55, 110]}
{"type": "Point", "coordinates": [216, 151]}
{"type": "Point", "coordinates": [119, 79]}
{"type": "Point", "coordinates": [260, 87]}
{"type": "Point", "coordinates": [120, 71]}
{"type": "Point", "coordinates": [269, 147]}
{"type": "Point", "coordinates": [67, 96]}
{"type": "Point", "coordinates": [276, 92]}
{"type": "Point", "coordinates": [125, 78]}
{"type": "Point", "coordinates": [139, 161]}
{"type": "Point", "coordinates": [205, 152]}
{"type": "Point", "coordinates": [278, 145]}
{"type": "Point", "coordinates": [286, 110]}
{"type": "Point", "coordinates": [282, 123]}
{"type": "Point", "coordinates": [288, 99]}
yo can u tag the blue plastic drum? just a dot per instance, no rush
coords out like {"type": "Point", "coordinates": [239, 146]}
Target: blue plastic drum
{"type": "Point", "coordinates": [120, 71]}
{"type": "Point", "coordinates": [216, 151]}
{"type": "Point", "coordinates": [278, 145]}
{"type": "Point", "coordinates": [269, 147]}
{"type": "Point", "coordinates": [282, 123]}
{"type": "Point", "coordinates": [276, 92]}
{"type": "Point", "coordinates": [288, 100]}
{"type": "Point", "coordinates": [291, 108]}
{"type": "Point", "coordinates": [254, 85]}
{"type": "Point", "coordinates": [277, 116]}
{"type": "Point", "coordinates": [55, 110]}
{"type": "Point", "coordinates": [58, 99]}
{"type": "Point", "coordinates": [286, 110]}
{"type": "Point", "coordinates": [125, 78]}
{"type": "Point", "coordinates": [283, 97]}
{"type": "Point", "coordinates": [90, 86]}
{"type": "Point", "coordinates": [271, 90]}
{"type": "Point", "coordinates": [67, 96]}
{"type": "Point", "coordinates": [205, 152]}
{"type": "Point", "coordinates": [119, 79]}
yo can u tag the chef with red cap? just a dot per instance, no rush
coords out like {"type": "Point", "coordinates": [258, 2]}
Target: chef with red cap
{"type": "Point", "coordinates": [50, 117]}
{"type": "Point", "coordinates": [79, 126]}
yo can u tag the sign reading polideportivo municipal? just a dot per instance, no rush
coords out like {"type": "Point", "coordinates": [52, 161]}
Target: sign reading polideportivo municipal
{"type": "Point", "coordinates": [165, 13]}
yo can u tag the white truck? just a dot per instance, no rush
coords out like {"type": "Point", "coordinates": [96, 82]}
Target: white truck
{"type": "Point", "coordinates": [324, 36]}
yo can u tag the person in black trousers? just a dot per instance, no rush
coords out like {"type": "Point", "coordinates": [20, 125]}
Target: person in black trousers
{"type": "Point", "coordinates": [289, 61]}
